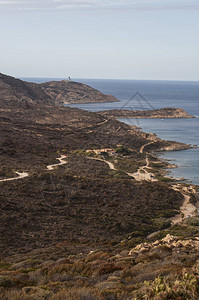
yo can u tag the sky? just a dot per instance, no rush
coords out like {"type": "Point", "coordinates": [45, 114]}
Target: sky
{"type": "Point", "coordinates": [110, 39]}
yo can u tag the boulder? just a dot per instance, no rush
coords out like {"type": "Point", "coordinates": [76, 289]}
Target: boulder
{"type": "Point", "coordinates": [168, 238]}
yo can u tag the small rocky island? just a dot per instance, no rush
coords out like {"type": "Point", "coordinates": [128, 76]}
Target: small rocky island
{"type": "Point", "coordinates": [162, 113]}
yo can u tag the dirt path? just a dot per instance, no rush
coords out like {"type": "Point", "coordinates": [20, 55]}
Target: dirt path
{"type": "Point", "coordinates": [142, 173]}
{"type": "Point", "coordinates": [25, 174]}
{"type": "Point", "coordinates": [98, 124]}
{"type": "Point", "coordinates": [143, 146]}
{"type": "Point", "coordinates": [62, 162]}
{"type": "Point", "coordinates": [186, 210]}
{"type": "Point", "coordinates": [20, 176]}
{"type": "Point", "coordinates": [111, 165]}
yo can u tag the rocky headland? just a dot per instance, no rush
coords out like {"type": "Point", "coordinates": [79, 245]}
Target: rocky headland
{"type": "Point", "coordinates": [162, 113]}
{"type": "Point", "coordinates": [15, 91]}
{"type": "Point", "coordinates": [66, 92]}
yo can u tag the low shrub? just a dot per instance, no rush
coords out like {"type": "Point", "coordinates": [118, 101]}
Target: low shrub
{"type": "Point", "coordinates": [78, 294]}
{"type": "Point", "coordinates": [108, 268]}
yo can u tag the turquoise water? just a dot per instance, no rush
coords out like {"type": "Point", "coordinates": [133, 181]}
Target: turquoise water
{"type": "Point", "coordinates": [158, 94]}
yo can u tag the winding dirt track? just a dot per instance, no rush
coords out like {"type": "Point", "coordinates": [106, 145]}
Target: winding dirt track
{"type": "Point", "coordinates": [143, 146]}
{"type": "Point", "coordinates": [20, 176]}
{"type": "Point", "coordinates": [25, 174]}
{"type": "Point", "coordinates": [140, 175]}
{"type": "Point", "coordinates": [187, 209]}
{"type": "Point", "coordinates": [111, 165]}
{"type": "Point", "coordinates": [62, 162]}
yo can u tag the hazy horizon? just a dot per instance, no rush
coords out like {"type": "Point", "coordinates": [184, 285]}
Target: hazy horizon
{"type": "Point", "coordinates": [145, 40]}
{"type": "Point", "coordinates": [86, 78]}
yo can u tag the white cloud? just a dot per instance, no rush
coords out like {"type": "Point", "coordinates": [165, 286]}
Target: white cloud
{"type": "Point", "coordinates": [97, 4]}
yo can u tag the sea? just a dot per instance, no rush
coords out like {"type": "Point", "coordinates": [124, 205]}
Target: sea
{"type": "Point", "coordinates": [145, 94]}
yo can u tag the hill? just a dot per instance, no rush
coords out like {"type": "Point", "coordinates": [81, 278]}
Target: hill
{"type": "Point", "coordinates": [16, 92]}
{"type": "Point", "coordinates": [65, 92]}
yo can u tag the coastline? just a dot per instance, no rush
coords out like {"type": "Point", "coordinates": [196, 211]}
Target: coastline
{"type": "Point", "coordinates": [178, 169]}
{"type": "Point", "coordinates": [177, 130]}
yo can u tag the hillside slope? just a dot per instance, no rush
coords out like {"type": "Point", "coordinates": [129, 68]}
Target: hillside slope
{"type": "Point", "coordinates": [76, 207]}
{"type": "Point", "coordinates": [16, 92]}
{"type": "Point", "coordinates": [32, 137]}
{"type": "Point", "coordinates": [165, 269]}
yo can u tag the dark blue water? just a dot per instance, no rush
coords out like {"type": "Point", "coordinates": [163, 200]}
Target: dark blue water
{"type": "Point", "coordinates": [157, 94]}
